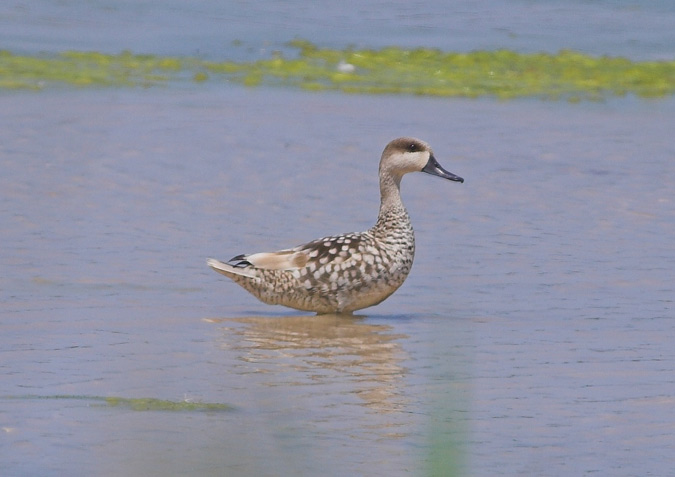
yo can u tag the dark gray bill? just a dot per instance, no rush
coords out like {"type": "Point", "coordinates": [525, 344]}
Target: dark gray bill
{"type": "Point", "coordinates": [435, 169]}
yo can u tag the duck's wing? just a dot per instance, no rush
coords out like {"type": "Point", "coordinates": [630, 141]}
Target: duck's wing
{"type": "Point", "coordinates": [332, 250]}
{"type": "Point", "coordinates": [314, 255]}
{"type": "Point", "coordinates": [282, 260]}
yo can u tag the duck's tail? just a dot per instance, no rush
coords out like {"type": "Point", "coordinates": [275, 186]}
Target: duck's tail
{"type": "Point", "coordinates": [231, 271]}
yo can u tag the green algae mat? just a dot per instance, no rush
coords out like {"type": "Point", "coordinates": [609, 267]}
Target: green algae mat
{"type": "Point", "coordinates": [135, 404]}
{"type": "Point", "coordinates": [503, 74]}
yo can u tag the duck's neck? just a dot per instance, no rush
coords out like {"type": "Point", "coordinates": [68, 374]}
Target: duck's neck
{"type": "Point", "coordinates": [390, 194]}
{"type": "Point", "coordinates": [392, 211]}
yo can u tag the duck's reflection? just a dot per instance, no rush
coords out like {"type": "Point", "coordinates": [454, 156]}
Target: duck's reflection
{"type": "Point", "coordinates": [342, 354]}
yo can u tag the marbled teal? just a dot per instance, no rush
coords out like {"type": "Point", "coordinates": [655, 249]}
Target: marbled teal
{"type": "Point", "coordinates": [348, 272]}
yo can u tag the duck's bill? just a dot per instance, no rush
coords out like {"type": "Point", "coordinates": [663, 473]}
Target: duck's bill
{"type": "Point", "coordinates": [435, 169]}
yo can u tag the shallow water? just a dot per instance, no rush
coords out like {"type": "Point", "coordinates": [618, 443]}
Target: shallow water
{"type": "Point", "coordinates": [246, 30]}
{"type": "Point", "coordinates": [534, 335]}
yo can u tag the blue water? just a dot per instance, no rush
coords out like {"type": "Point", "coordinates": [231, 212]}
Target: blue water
{"type": "Point", "coordinates": [639, 30]}
{"type": "Point", "coordinates": [533, 337]}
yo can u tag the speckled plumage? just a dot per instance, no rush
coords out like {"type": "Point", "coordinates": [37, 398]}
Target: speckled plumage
{"type": "Point", "coordinates": [348, 272]}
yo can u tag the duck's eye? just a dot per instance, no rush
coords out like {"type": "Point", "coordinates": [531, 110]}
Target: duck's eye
{"type": "Point", "coordinates": [412, 147]}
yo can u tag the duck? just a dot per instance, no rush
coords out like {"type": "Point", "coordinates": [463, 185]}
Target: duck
{"type": "Point", "coordinates": [344, 273]}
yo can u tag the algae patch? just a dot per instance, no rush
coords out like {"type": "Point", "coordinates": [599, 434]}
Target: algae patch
{"type": "Point", "coordinates": [504, 74]}
{"type": "Point", "coordinates": [135, 404]}
{"type": "Point", "coordinates": [86, 69]}
{"type": "Point", "coordinates": [152, 404]}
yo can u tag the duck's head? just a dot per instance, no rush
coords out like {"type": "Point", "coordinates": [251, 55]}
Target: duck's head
{"type": "Point", "coordinates": [408, 154]}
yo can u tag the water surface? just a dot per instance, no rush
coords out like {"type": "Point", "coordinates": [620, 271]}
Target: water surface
{"type": "Point", "coordinates": [246, 30]}
{"type": "Point", "coordinates": [533, 335]}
